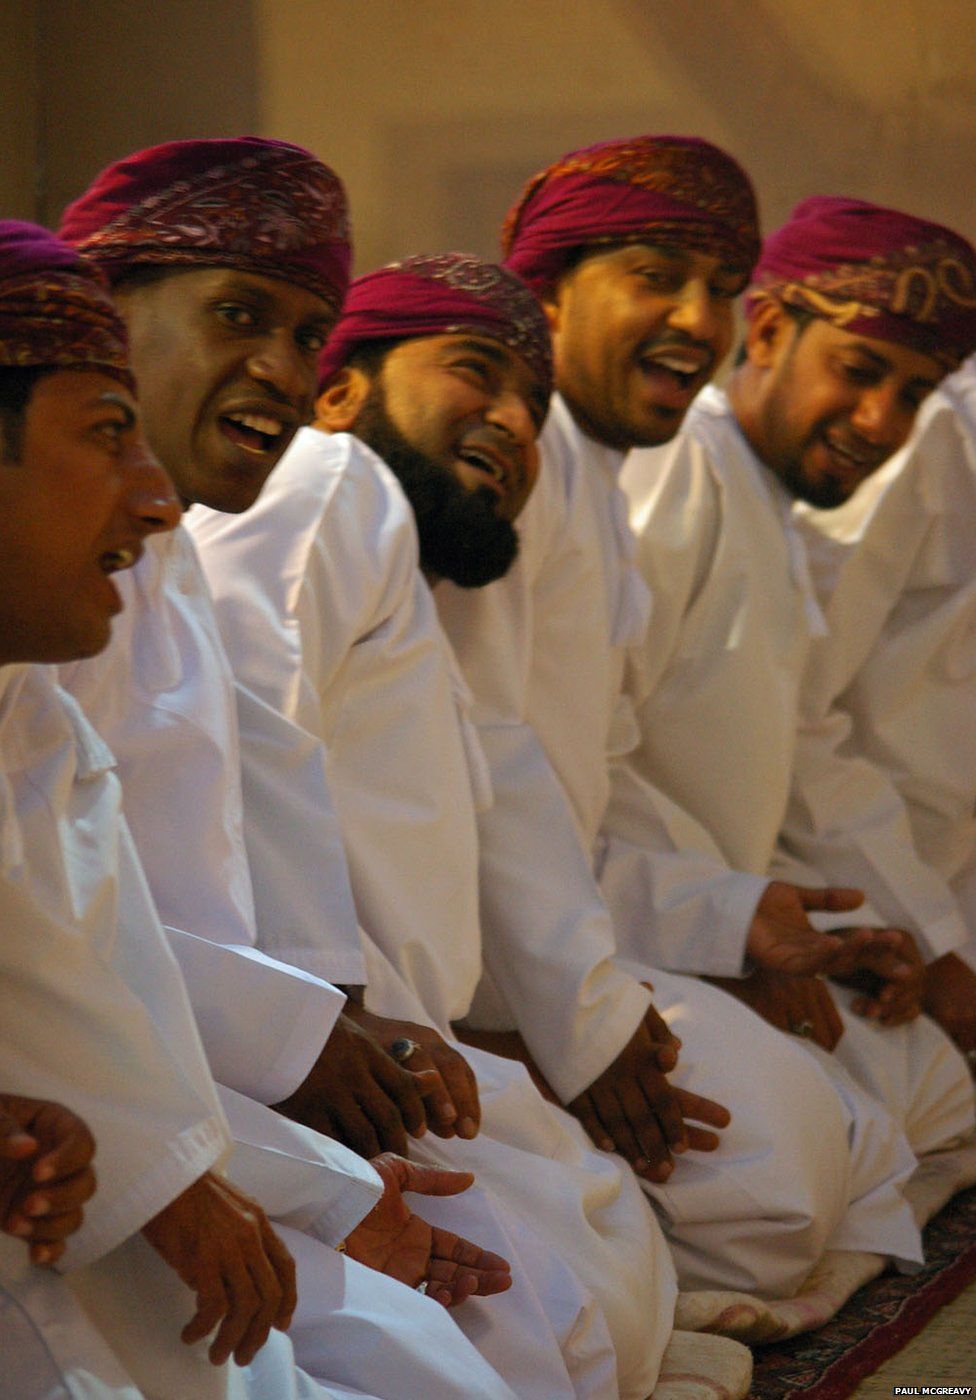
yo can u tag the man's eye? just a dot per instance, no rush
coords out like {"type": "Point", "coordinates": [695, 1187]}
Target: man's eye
{"type": "Point", "coordinates": [236, 315]}
{"type": "Point", "coordinates": [658, 280]}
{"type": "Point", "coordinates": [311, 341]}
{"type": "Point", "coordinates": [860, 374]}
{"type": "Point", "coordinates": [475, 367]}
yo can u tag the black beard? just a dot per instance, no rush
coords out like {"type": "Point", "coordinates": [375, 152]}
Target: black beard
{"type": "Point", "coordinates": [462, 538]}
{"type": "Point", "coordinates": [825, 495]}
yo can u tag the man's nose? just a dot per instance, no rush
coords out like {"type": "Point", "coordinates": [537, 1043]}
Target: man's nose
{"type": "Point", "coordinates": [151, 497]}
{"type": "Point", "coordinates": [280, 363]}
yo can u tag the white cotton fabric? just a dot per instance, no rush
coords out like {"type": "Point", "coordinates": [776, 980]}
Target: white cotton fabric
{"type": "Point", "coordinates": [325, 614]}
{"type": "Point", "coordinates": [95, 1015]}
{"type": "Point", "coordinates": [699, 801]}
{"type": "Point", "coordinates": [893, 694]}
{"type": "Point", "coordinates": [164, 697]}
{"type": "Point", "coordinates": [537, 651]}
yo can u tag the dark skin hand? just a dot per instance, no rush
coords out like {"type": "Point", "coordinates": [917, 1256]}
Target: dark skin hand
{"type": "Point", "coordinates": [394, 1241]}
{"type": "Point", "coordinates": [632, 1109]}
{"type": "Point", "coordinates": [357, 1094]}
{"type": "Point", "coordinates": [451, 1095]}
{"type": "Point", "coordinates": [222, 1246]}
{"type": "Point", "coordinates": [890, 979]}
{"type": "Point", "coordinates": [511, 1046]}
{"type": "Point", "coordinates": [782, 938]}
{"type": "Point", "coordinates": [46, 1174]}
{"type": "Point", "coordinates": [787, 1002]}
{"type": "Point", "coordinates": [950, 999]}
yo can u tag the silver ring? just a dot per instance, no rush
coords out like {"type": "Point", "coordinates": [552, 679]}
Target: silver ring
{"type": "Point", "coordinates": [804, 1028]}
{"type": "Point", "coordinates": [403, 1047]}
{"type": "Point", "coordinates": [421, 1287]}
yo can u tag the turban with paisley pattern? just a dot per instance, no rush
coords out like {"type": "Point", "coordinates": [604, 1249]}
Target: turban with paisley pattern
{"type": "Point", "coordinates": [874, 272]}
{"type": "Point", "coordinates": [663, 189]}
{"type": "Point", "coordinates": [441, 294]}
{"type": "Point", "coordinates": [54, 308]}
{"type": "Point", "coordinates": [261, 206]}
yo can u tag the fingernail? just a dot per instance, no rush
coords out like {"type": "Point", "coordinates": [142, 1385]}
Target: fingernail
{"type": "Point", "coordinates": [19, 1227]}
{"type": "Point", "coordinates": [447, 1113]}
{"type": "Point", "coordinates": [37, 1205]}
{"type": "Point", "coordinates": [42, 1254]}
{"type": "Point", "coordinates": [419, 1132]}
{"type": "Point", "coordinates": [467, 1128]}
{"type": "Point", "coordinates": [44, 1171]}
{"type": "Point", "coordinates": [607, 1145]}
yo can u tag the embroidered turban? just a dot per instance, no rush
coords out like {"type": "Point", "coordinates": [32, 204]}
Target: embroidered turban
{"type": "Point", "coordinates": [54, 308]}
{"type": "Point", "coordinates": [261, 206]}
{"type": "Point", "coordinates": [874, 272]}
{"type": "Point", "coordinates": [441, 294]}
{"type": "Point", "coordinates": [664, 189]}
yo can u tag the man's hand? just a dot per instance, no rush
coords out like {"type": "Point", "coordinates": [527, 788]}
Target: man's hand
{"type": "Point", "coordinates": [888, 971]}
{"type": "Point", "coordinates": [950, 999]}
{"type": "Point", "coordinates": [356, 1093]}
{"type": "Point", "coordinates": [782, 938]}
{"type": "Point", "coordinates": [394, 1241]}
{"type": "Point", "coordinates": [450, 1099]}
{"type": "Point", "coordinates": [632, 1109]}
{"type": "Point", "coordinates": [46, 1174]}
{"type": "Point", "coordinates": [222, 1246]}
{"type": "Point", "coordinates": [799, 1005]}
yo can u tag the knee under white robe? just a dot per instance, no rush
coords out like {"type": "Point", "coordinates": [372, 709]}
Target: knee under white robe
{"type": "Point", "coordinates": [95, 1015]}
{"type": "Point", "coordinates": [543, 652]}
{"type": "Point", "coordinates": [895, 693]}
{"type": "Point", "coordinates": [699, 800]}
{"type": "Point", "coordinates": [163, 697]}
{"type": "Point", "coordinates": [326, 615]}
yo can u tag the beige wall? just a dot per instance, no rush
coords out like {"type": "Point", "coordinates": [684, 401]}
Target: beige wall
{"type": "Point", "coordinates": [19, 154]}
{"type": "Point", "coordinates": [435, 110]}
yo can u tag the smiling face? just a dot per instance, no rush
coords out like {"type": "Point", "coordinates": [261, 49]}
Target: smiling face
{"type": "Point", "coordinates": [456, 418]}
{"type": "Point", "coordinates": [823, 408]}
{"type": "Point", "coordinates": [637, 331]}
{"type": "Point", "coordinates": [225, 363]}
{"type": "Point", "coordinates": [78, 496]}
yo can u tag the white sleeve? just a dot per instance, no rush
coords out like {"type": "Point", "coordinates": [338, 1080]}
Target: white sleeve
{"type": "Point", "coordinates": [265, 1056]}
{"type": "Point", "coordinates": [846, 819]}
{"type": "Point", "coordinates": [300, 1177]}
{"type": "Point", "coordinates": [676, 903]}
{"type": "Point", "coordinates": [547, 938]}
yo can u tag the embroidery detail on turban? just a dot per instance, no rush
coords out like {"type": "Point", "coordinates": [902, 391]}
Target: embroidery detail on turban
{"type": "Point", "coordinates": [909, 288]}
{"type": "Point", "coordinates": [53, 309]}
{"type": "Point", "coordinates": [264, 206]}
{"type": "Point", "coordinates": [442, 294]}
{"type": "Point", "coordinates": [671, 189]}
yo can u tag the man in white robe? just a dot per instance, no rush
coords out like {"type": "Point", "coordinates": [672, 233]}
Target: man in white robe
{"type": "Point", "coordinates": [717, 683]}
{"type": "Point", "coordinates": [889, 695]}
{"type": "Point", "coordinates": [327, 615]}
{"type": "Point", "coordinates": [164, 688]}
{"type": "Point", "coordinates": [543, 650]}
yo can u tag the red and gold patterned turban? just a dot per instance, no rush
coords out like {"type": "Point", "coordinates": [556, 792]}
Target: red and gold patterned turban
{"type": "Point", "coordinates": [662, 189]}
{"type": "Point", "coordinates": [261, 206]}
{"type": "Point", "coordinates": [441, 294]}
{"type": "Point", "coordinates": [54, 308]}
{"type": "Point", "coordinates": [874, 272]}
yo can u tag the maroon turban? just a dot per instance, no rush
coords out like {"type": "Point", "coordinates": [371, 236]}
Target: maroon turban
{"type": "Point", "coordinates": [54, 308]}
{"type": "Point", "coordinates": [874, 272]}
{"type": "Point", "coordinates": [261, 206]}
{"type": "Point", "coordinates": [661, 189]}
{"type": "Point", "coordinates": [442, 294]}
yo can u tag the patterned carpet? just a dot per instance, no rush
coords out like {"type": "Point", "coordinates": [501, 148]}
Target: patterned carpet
{"type": "Point", "coordinates": [877, 1321]}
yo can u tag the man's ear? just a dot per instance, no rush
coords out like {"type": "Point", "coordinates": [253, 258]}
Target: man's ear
{"type": "Point", "coordinates": [769, 329]}
{"type": "Point", "coordinates": [338, 405]}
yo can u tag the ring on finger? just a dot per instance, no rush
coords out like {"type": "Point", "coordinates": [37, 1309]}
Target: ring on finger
{"type": "Point", "coordinates": [803, 1028]}
{"type": "Point", "coordinates": [403, 1047]}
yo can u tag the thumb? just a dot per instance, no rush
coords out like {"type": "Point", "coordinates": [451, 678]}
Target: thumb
{"type": "Point", "coordinates": [434, 1181]}
{"type": "Point", "coordinates": [15, 1144]}
{"type": "Point", "coordinates": [834, 900]}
